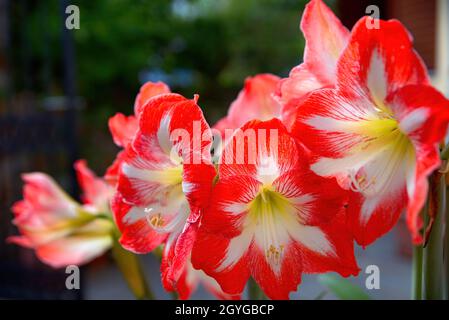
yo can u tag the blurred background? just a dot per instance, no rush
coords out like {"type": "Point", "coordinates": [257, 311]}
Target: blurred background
{"type": "Point", "coordinates": [58, 88]}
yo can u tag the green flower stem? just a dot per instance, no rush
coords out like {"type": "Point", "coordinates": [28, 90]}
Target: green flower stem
{"type": "Point", "coordinates": [254, 291]}
{"type": "Point", "coordinates": [417, 273]}
{"type": "Point", "coordinates": [445, 153]}
{"type": "Point", "coordinates": [433, 251]}
{"type": "Point", "coordinates": [130, 266]}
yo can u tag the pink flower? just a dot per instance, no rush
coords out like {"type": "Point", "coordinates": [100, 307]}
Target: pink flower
{"type": "Point", "coordinates": [60, 230]}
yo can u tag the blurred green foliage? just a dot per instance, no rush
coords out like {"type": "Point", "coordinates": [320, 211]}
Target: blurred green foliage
{"type": "Point", "coordinates": [220, 41]}
{"type": "Point", "coordinates": [216, 42]}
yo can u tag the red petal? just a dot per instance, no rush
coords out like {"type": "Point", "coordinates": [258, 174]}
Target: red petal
{"type": "Point", "coordinates": [428, 160]}
{"type": "Point", "coordinates": [294, 89]}
{"type": "Point", "coordinates": [73, 250]}
{"type": "Point", "coordinates": [339, 235]}
{"type": "Point", "coordinates": [333, 105]}
{"type": "Point", "coordinates": [325, 38]}
{"type": "Point", "coordinates": [176, 256]}
{"type": "Point", "coordinates": [95, 190]}
{"type": "Point", "coordinates": [423, 113]}
{"type": "Point", "coordinates": [122, 128]}
{"type": "Point", "coordinates": [44, 204]}
{"type": "Point", "coordinates": [252, 143]}
{"type": "Point", "coordinates": [380, 60]}
{"type": "Point", "coordinates": [189, 280]}
{"type": "Point", "coordinates": [135, 189]}
{"type": "Point", "coordinates": [197, 184]}
{"type": "Point", "coordinates": [21, 241]}
{"type": "Point", "coordinates": [139, 236]}
{"type": "Point", "coordinates": [148, 91]}
{"type": "Point", "coordinates": [207, 253]}
{"type": "Point", "coordinates": [184, 287]}
{"type": "Point", "coordinates": [219, 220]}
{"type": "Point", "coordinates": [182, 116]}
{"type": "Point", "coordinates": [385, 214]}
{"type": "Point", "coordinates": [276, 286]}
{"type": "Point", "coordinates": [112, 172]}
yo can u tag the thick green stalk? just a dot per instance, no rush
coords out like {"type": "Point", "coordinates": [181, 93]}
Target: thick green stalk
{"type": "Point", "coordinates": [445, 153]}
{"type": "Point", "coordinates": [130, 266]}
{"type": "Point", "coordinates": [254, 291]}
{"type": "Point", "coordinates": [417, 273]}
{"type": "Point", "coordinates": [433, 251]}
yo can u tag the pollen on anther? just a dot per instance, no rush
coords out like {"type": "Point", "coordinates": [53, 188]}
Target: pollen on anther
{"type": "Point", "coordinates": [156, 221]}
{"type": "Point", "coordinates": [274, 254]}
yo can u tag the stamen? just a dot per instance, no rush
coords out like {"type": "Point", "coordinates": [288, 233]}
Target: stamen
{"type": "Point", "coordinates": [268, 212]}
{"type": "Point", "coordinates": [156, 221]}
{"type": "Point", "coordinates": [167, 224]}
{"type": "Point", "coordinates": [383, 111]}
{"type": "Point", "coordinates": [274, 254]}
{"type": "Point", "coordinates": [383, 168]}
{"type": "Point", "coordinates": [360, 183]}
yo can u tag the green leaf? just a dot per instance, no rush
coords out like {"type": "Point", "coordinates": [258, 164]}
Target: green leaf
{"type": "Point", "coordinates": [343, 288]}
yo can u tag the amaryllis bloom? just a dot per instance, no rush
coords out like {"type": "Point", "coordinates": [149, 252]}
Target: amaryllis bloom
{"type": "Point", "coordinates": [165, 180]}
{"type": "Point", "coordinates": [326, 38]}
{"type": "Point", "coordinates": [378, 130]}
{"type": "Point", "coordinates": [123, 128]}
{"type": "Point", "coordinates": [255, 101]}
{"type": "Point", "coordinates": [62, 231]}
{"type": "Point", "coordinates": [270, 217]}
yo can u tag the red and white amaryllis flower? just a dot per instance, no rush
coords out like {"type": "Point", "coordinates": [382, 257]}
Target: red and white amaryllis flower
{"type": "Point", "coordinates": [269, 217]}
{"type": "Point", "coordinates": [326, 38]}
{"type": "Point", "coordinates": [62, 231]}
{"type": "Point", "coordinates": [123, 128]}
{"type": "Point", "coordinates": [165, 179]}
{"type": "Point", "coordinates": [378, 130]}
